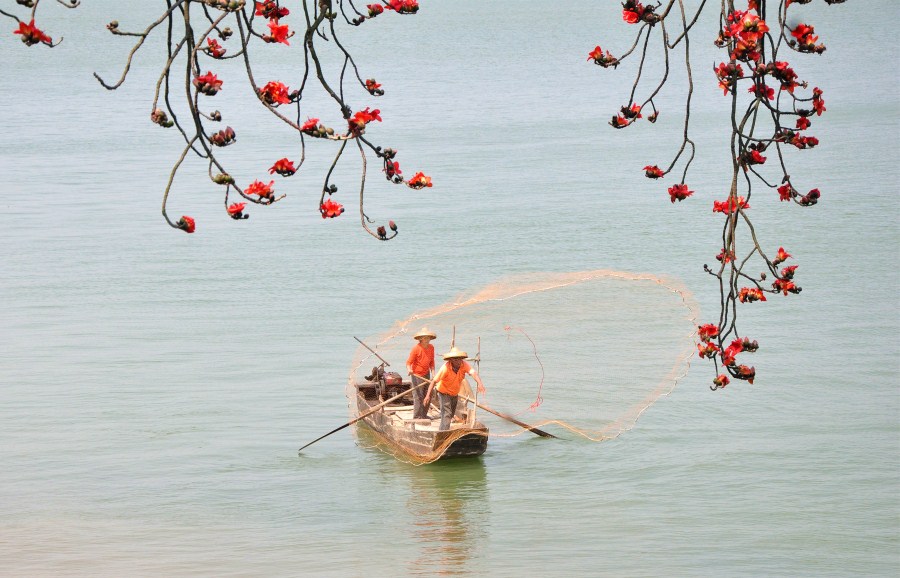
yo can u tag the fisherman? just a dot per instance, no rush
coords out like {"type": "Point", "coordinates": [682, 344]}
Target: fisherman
{"type": "Point", "coordinates": [448, 381]}
{"type": "Point", "coordinates": [420, 367]}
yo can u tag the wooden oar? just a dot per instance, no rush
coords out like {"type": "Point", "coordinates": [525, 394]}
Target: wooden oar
{"type": "Point", "coordinates": [368, 413]}
{"type": "Point", "coordinates": [522, 424]}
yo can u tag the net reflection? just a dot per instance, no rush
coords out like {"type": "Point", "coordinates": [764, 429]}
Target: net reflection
{"type": "Point", "coordinates": [448, 506]}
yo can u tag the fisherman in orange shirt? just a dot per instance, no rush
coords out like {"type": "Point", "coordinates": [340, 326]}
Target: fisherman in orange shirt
{"type": "Point", "coordinates": [420, 366]}
{"type": "Point", "coordinates": [447, 382]}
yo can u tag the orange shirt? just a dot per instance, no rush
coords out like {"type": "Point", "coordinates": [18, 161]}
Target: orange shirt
{"type": "Point", "coordinates": [421, 359]}
{"type": "Point", "coordinates": [447, 381]}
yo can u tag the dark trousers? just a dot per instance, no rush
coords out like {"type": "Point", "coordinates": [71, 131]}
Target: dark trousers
{"type": "Point", "coordinates": [448, 409]}
{"type": "Point", "coordinates": [418, 393]}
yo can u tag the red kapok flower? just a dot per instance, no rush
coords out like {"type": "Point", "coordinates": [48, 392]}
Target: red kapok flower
{"type": "Point", "coordinates": [746, 373]}
{"type": "Point", "coordinates": [749, 295]}
{"type": "Point", "coordinates": [730, 206]}
{"type": "Point", "coordinates": [283, 167]}
{"type": "Point", "coordinates": [208, 84]}
{"type": "Point", "coordinates": [653, 172]}
{"type": "Point", "coordinates": [375, 10]}
{"type": "Point", "coordinates": [708, 331]}
{"type": "Point", "coordinates": [679, 192]}
{"type": "Point", "coordinates": [803, 123]}
{"type": "Point", "coordinates": [270, 9]}
{"type": "Point", "coordinates": [330, 209]}
{"type": "Point", "coordinates": [419, 181]}
{"type": "Point", "coordinates": [632, 12]}
{"type": "Point", "coordinates": [213, 48]}
{"type": "Point", "coordinates": [788, 272]}
{"type": "Point", "coordinates": [785, 192]}
{"type": "Point", "coordinates": [310, 125]}
{"type": "Point", "coordinates": [279, 32]}
{"type": "Point", "coordinates": [403, 6]}
{"type": "Point", "coordinates": [259, 188]}
{"type": "Point", "coordinates": [31, 34]}
{"type": "Point", "coordinates": [359, 120]}
{"type": "Point", "coordinates": [275, 93]}
{"type": "Point", "coordinates": [784, 285]}
{"type": "Point", "coordinates": [235, 210]}
{"type": "Point", "coordinates": [373, 87]}
{"type": "Point", "coordinates": [604, 59]}
{"type": "Point", "coordinates": [817, 102]}
{"type": "Point", "coordinates": [753, 157]}
{"type": "Point", "coordinates": [733, 349]}
{"type": "Point", "coordinates": [725, 256]}
{"type": "Point", "coordinates": [707, 349]}
{"type": "Point", "coordinates": [391, 168]}
{"type": "Point", "coordinates": [186, 223]}
{"type": "Point", "coordinates": [720, 381]}
{"type": "Point", "coordinates": [762, 91]}
{"type": "Point", "coordinates": [781, 256]}
{"type": "Point", "coordinates": [728, 75]}
{"type": "Point", "coordinates": [802, 31]}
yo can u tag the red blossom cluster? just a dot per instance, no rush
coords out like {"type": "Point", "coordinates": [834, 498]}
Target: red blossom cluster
{"type": "Point", "coordinates": [679, 192]}
{"type": "Point", "coordinates": [403, 6]}
{"type": "Point", "coordinates": [653, 172]}
{"type": "Point", "coordinates": [275, 93]}
{"type": "Point", "coordinates": [730, 205]}
{"type": "Point", "coordinates": [601, 58]}
{"type": "Point", "coordinates": [373, 87]}
{"type": "Point", "coordinates": [271, 10]}
{"type": "Point", "coordinates": [634, 12]}
{"type": "Point", "coordinates": [419, 181]}
{"type": "Point", "coordinates": [728, 74]}
{"type": "Point", "coordinates": [283, 167]}
{"type": "Point", "coordinates": [213, 48]}
{"type": "Point", "coordinates": [359, 120]}
{"type": "Point", "coordinates": [259, 188]}
{"type": "Point", "coordinates": [742, 33]}
{"type": "Point", "coordinates": [32, 35]}
{"type": "Point", "coordinates": [806, 39]}
{"type": "Point", "coordinates": [278, 33]}
{"type": "Point", "coordinates": [187, 223]}
{"type": "Point", "coordinates": [236, 211]}
{"type": "Point", "coordinates": [208, 84]}
{"type": "Point", "coordinates": [751, 294]}
{"type": "Point", "coordinates": [330, 209]}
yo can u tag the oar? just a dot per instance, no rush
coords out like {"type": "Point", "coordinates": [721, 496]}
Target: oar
{"type": "Point", "coordinates": [368, 413]}
{"type": "Point", "coordinates": [522, 424]}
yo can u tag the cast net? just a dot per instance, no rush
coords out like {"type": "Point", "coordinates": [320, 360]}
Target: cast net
{"type": "Point", "coordinates": [582, 353]}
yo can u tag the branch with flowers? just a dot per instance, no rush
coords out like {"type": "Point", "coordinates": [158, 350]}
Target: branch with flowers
{"type": "Point", "coordinates": [200, 33]}
{"type": "Point", "coordinates": [771, 111]}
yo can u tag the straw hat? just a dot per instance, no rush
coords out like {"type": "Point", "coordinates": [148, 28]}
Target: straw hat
{"type": "Point", "coordinates": [425, 332]}
{"type": "Point", "coordinates": [455, 353]}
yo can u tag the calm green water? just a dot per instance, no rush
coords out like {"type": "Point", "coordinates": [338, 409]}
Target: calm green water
{"type": "Point", "coordinates": [154, 386]}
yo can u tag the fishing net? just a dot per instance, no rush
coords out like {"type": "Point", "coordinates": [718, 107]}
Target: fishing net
{"type": "Point", "coordinates": [585, 352]}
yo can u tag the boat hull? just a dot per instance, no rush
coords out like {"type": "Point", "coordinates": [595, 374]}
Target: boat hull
{"type": "Point", "coordinates": [421, 438]}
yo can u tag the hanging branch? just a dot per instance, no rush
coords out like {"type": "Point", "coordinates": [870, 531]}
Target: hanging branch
{"type": "Point", "coordinates": [762, 122]}
{"type": "Point", "coordinates": [199, 33]}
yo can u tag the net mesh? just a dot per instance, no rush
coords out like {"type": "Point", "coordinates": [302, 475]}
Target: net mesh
{"type": "Point", "coordinates": [587, 351]}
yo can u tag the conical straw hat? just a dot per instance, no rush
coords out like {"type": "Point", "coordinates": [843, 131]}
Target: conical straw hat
{"type": "Point", "coordinates": [455, 353]}
{"type": "Point", "coordinates": [425, 332]}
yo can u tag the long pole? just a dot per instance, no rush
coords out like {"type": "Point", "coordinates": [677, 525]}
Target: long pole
{"type": "Point", "coordinates": [366, 414]}
{"type": "Point", "coordinates": [478, 371]}
{"type": "Point", "coordinates": [509, 418]}
{"type": "Point", "coordinates": [383, 360]}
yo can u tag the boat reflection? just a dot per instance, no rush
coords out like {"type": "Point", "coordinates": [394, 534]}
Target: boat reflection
{"type": "Point", "coordinates": [448, 508]}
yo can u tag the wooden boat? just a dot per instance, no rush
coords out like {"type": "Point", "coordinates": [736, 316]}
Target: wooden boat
{"type": "Point", "coordinates": [419, 438]}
